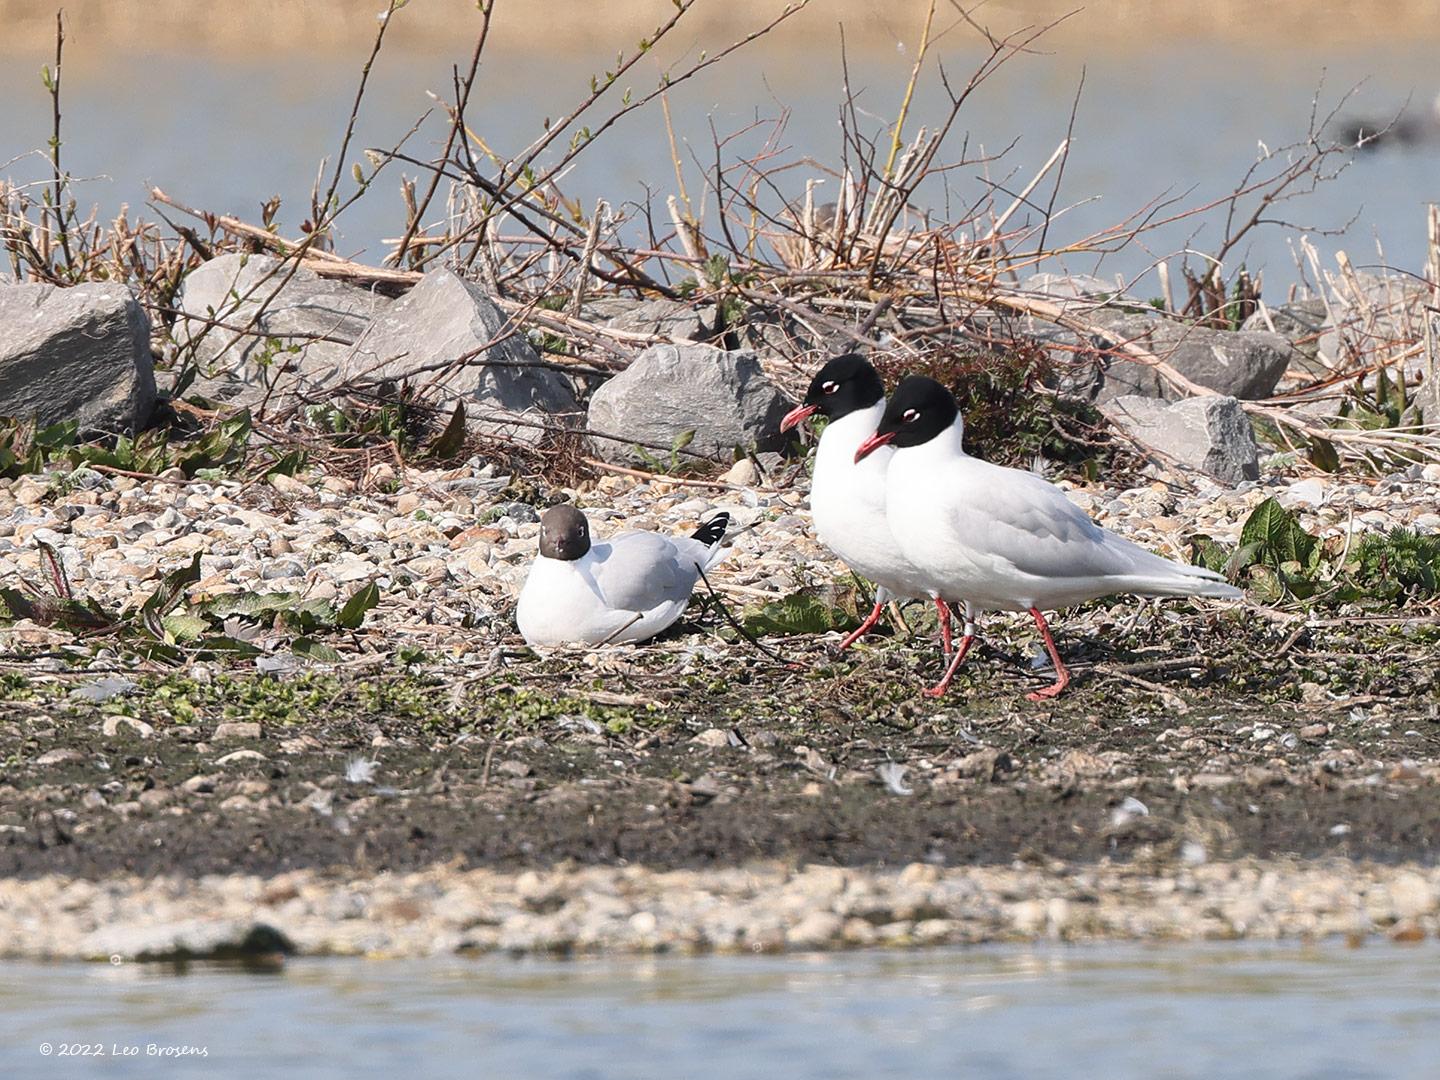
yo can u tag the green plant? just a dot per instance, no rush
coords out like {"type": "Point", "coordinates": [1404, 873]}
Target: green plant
{"type": "Point", "coordinates": [167, 625]}
{"type": "Point", "coordinates": [1279, 559]}
{"type": "Point", "coordinates": [673, 465]}
{"type": "Point", "coordinates": [801, 612]}
{"type": "Point", "coordinates": [26, 449]}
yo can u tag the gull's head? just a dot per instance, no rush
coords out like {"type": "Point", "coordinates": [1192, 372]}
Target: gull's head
{"type": "Point", "coordinates": [844, 385]}
{"type": "Point", "coordinates": [919, 410]}
{"type": "Point", "coordinates": [564, 533]}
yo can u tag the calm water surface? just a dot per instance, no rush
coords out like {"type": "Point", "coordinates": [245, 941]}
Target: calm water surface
{"type": "Point", "coordinates": [1182, 117]}
{"type": "Point", "coordinates": [1114, 1012]}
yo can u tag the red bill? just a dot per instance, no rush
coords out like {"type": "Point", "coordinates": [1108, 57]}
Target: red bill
{"type": "Point", "coordinates": [873, 443]}
{"type": "Point", "coordinates": [797, 415]}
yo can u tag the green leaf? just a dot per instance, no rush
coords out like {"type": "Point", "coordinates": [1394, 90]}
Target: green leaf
{"type": "Point", "coordinates": [1324, 456]}
{"type": "Point", "coordinates": [1209, 554]}
{"type": "Point", "coordinates": [182, 627]}
{"type": "Point", "coordinates": [799, 613]}
{"type": "Point", "coordinates": [57, 436]}
{"type": "Point", "coordinates": [286, 465]}
{"type": "Point", "coordinates": [1244, 557]}
{"type": "Point", "coordinates": [18, 604]}
{"type": "Point", "coordinates": [684, 439]}
{"type": "Point", "coordinates": [221, 643]}
{"type": "Point", "coordinates": [451, 441]}
{"type": "Point", "coordinates": [310, 649]}
{"type": "Point", "coordinates": [361, 601]}
{"type": "Point", "coordinates": [248, 604]}
{"type": "Point", "coordinates": [171, 589]}
{"type": "Point", "coordinates": [1278, 534]}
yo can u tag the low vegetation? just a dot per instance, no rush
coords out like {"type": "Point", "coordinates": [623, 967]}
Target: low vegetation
{"type": "Point", "coordinates": [175, 623]}
{"type": "Point", "coordinates": [1277, 560]}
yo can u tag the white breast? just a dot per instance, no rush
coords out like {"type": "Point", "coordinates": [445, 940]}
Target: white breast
{"type": "Point", "coordinates": [847, 501]}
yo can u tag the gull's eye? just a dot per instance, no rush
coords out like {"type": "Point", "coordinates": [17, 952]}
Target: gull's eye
{"type": "Point", "coordinates": [829, 387]}
{"type": "Point", "coordinates": [909, 416]}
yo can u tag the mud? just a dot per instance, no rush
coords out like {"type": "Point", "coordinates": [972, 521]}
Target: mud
{"type": "Point", "coordinates": [1182, 739]}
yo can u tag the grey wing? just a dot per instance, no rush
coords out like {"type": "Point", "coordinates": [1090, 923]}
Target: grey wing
{"type": "Point", "coordinates": [1030, 524]}
{"type": "Point", "coordinates": [641, 571]}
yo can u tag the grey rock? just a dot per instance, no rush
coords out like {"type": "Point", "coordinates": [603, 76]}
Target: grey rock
{"type": "Point", "coordinates": [1245, 364]}
{"type": "Point", "coordinates": [420, 338]}
{"type": "Point", "coordinates": [665, 318]}
{"type": "Point", "coordinates": [1211, 434]}
{"type": "Point", "coordinates": [1371, 313]}
{"type": "Point", "coordinates": [188, 939]}
{"type": "Point", "coordinates": [59, 756]}
{"type": "Point", "coordinates": [1072, 287]}
{"type": "Point", "coordinates": [81, 353]}
{"type": "Point", "coordinates": [1299, 322]}
{"type": "Point", "coordinates": [723, 397]}
{"type": "Point", "coordinates": [1427, 398]}
{"type": "Point", "coordinates": [815, 930]}
{"type": "Point", "coordinates": [298, 312]}
{"type": "Point", "coordinates": [775, 333]}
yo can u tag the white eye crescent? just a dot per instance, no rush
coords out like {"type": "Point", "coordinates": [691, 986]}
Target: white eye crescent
{"type": "Point", "coordinates": [829, 387]}
{"type": "Point", "coordinates": [909, 416]}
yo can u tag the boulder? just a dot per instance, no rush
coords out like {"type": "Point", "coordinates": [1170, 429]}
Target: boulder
{"type": "Point", "coordinates": [1245, 364]}
{"type": "Point", "coordinates": [314, 320]}
{"type": "Point", "coordinates": [1427, 398]}
{"type": "Point", "coordinates": [1301, 323]}
{"type": "Point", "coordinates": [1372, 315]}
{"type": "Point", "coordinates": [80, 353]}
{"type": "Point", "coordinates": [668, 390]}
{"type": "Point", "coordinates": [664, 318]}
{"type": "Point", "coordinates": [1069, 287]}
{"type": "Point", "coordinates": [442, 336]}
{"type": "Point", "coordinates": [1211, 434]}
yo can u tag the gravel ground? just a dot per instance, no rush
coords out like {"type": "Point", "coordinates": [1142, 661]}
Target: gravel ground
{"type": "Point", "coordinates": [1214, 771]}
{"type": "Point", "coordinates": [756, 908]}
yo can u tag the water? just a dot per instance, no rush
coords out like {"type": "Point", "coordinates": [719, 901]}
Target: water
{"type": "Point", "coordinates": [1115, 1012]}
{"type": "Point", "coordinates": [226, 131]}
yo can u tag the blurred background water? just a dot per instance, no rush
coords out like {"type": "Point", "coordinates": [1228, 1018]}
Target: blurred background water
{"type": "Point", "coordinates": [225, 118]}
{"type": "Point", "coordinates": [1180, 1012]}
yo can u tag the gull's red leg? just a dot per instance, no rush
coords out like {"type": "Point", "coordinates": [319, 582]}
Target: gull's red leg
{"type": "Point", "coordinates": [1062, 674]}
{"type": "Point", "coordinates": [946, 643]}
{"type": "Point", "coordinates": [864, 628]}
{"type": "Point", "coordinates": [965, 642]}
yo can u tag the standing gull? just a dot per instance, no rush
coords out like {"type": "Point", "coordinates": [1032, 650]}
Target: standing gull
{"type": "Point", "coordinates": [1003, 539]}
{"type": "Point", "coordinates": [626, 589]}
{"type": "Point", "coordinates": [847, 495]}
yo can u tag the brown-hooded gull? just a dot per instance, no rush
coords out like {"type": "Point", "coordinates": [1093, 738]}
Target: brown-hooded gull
{"type": "Point", "coordinates": [628, 588]}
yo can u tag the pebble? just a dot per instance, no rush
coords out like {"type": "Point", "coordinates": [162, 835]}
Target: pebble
{"type": "Point", "coordinates": [112, 725]}
{"type": "Point", "coordinates": [743, 473]}
{"type": "Point", "coordinates": [240, 757]}
{"type": "Point", "coordinates": [59, 756]}
{"type": "Point", "coordinates": [763, 907]}
{"type": "Point", "coordinates": [440, 540]}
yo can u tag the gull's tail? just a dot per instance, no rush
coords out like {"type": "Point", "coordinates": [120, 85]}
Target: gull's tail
{"type": "Point", "coordinates": [708, 537]}
{"type": "Point", "coordinates": [713, 531]}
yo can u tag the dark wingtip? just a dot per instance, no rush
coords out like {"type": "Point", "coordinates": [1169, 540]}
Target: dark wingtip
{"type": "Point", "coordinates": [713, 530]}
